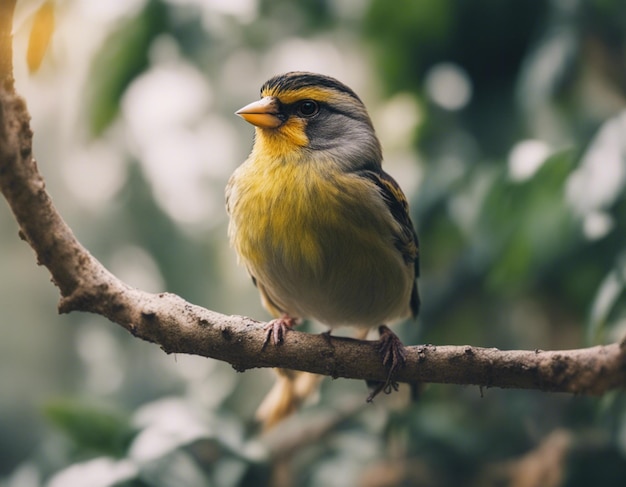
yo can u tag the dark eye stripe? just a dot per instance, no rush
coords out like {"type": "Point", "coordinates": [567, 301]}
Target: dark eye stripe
{"type": "Point", "coordinates": [292, 108]}
{"type": "Point", "coordinates": [349, 114]}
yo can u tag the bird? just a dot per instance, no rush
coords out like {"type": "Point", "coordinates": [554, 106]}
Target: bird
{"type": "Point", "coordinates": [324, 232]}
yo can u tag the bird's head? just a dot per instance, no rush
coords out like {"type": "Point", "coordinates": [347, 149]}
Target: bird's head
{"type": "Point", "coordinates": [307, 112]}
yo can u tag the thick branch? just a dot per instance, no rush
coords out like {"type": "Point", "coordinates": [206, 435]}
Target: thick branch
{"type": "Point", "coordinates": [180, 327]}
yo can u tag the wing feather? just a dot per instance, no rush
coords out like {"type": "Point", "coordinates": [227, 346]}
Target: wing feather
{"type": "Point", "coordinates": [406, 241]}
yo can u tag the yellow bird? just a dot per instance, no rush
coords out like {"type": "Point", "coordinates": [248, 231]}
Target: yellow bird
{"type": "Point", "coordinates": [323, 231]}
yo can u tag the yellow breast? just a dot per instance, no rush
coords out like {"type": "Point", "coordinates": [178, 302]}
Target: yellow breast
{"type": "Point", "coordinates": [319, 241]}
{"type": "Point", "coordinates": [278, 211]}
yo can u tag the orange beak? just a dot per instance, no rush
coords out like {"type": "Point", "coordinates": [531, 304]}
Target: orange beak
{"type": "Point", "coordinates": [263, 113]}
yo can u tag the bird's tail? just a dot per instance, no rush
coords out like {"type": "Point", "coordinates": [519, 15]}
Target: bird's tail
{"type": "Point", "coordinates": [290, 390]}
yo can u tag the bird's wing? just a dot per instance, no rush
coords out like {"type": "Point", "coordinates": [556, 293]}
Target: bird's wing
{"type": "Point", "coordinates": [406, 241]}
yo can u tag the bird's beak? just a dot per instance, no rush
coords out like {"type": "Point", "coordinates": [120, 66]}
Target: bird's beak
{"type": "Point", "coordinates": [263, 113]}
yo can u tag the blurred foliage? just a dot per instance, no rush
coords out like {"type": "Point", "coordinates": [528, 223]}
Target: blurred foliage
{"type": "Point", "coordinates": [91, 427]}
{"type": "Point", "coordinates": [521, 212]}
{"type": "Point", "coordinates": [122, 60]}
{"type": "Point", "coordinates": [41, 33]}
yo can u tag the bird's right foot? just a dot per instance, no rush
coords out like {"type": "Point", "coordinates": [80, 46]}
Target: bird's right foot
{"type": "Point", "coordinates": [276, 329]}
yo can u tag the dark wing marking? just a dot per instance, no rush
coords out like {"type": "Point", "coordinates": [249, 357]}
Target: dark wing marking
{"type": "Point", "coordinates": [406, 242]}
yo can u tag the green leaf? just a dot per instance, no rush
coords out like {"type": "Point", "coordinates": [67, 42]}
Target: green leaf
{"type": "Point", "coordinates": [530, 222]}
{"type": "Point", "coordinates": [123, 56]}
{"type": "Point", "coordinates": [92, 427]}
{"type": "Point", "coordinates": [606, 301]}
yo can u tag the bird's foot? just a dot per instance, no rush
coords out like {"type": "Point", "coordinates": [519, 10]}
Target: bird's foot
{"type": "Point", "coordinates": [276, 329]}
{"type": "Point", "coordinates": [393, 354]}
{"type": "Point", "coordinates": [391, 349]}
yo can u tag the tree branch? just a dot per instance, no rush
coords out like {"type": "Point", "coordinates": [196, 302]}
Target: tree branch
{"type": "Point", "coordinates": [180, 327]}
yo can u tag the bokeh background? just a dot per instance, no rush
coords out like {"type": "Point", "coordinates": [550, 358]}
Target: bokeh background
{"type": "Point", "coordinates": [503, 121]}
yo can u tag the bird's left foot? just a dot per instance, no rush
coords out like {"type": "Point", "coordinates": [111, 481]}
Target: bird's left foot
{"type": "Point", "coordinates": [393, 353]}
{"type": "Point", "coordinates": [276, 329]}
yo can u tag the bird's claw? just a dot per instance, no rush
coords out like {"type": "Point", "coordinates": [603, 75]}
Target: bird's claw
{"type": "Point", "coordinates": [276, 329]}
{"type": "Point", "coordinates": [393, 354]}
{"type": "Point", "coordinates": [391, 350]}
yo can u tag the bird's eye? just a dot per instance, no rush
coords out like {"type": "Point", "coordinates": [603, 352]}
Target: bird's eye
{"type": "Point", "coordinates": [308, 108]}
